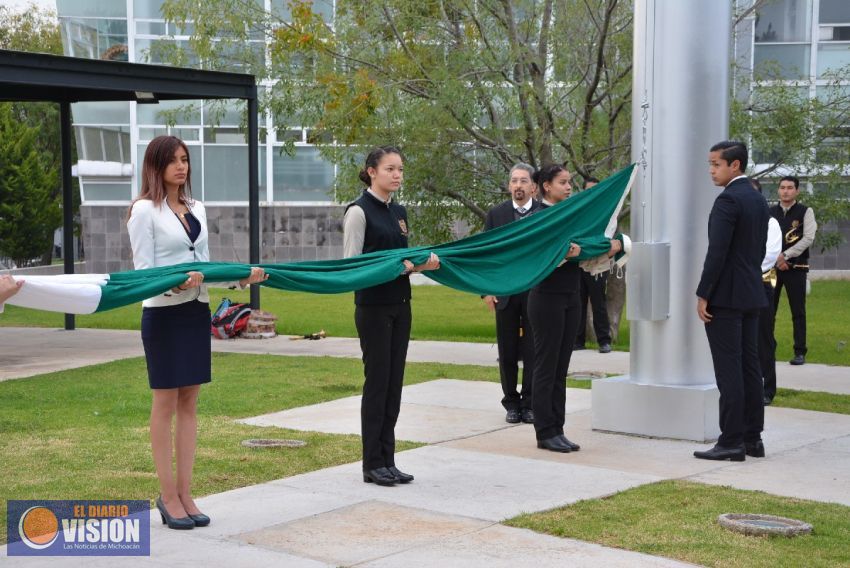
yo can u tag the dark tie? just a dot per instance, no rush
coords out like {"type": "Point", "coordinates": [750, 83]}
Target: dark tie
{"type": "Point", "coordinates": [521, 211]}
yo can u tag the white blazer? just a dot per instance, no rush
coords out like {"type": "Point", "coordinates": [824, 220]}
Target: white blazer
{"type": "Point", "coordinates": [158, 238]}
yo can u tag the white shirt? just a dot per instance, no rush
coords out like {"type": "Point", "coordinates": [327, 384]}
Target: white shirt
{"type": "Point", "coordinates": [526, 206]}
{"type": "Point", "coordinates": [773, 246]}
{"type": "Point", "coordinates": [158, 238]}
{"type": "Point", "coordinates": [354, 227]}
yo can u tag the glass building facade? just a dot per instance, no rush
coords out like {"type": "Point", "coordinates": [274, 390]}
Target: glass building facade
{"type": "Point", "coordinates": [135, 31]}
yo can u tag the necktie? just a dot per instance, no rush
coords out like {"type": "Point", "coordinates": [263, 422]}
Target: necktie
{"type": "Point", "coordinates": [521, 211]}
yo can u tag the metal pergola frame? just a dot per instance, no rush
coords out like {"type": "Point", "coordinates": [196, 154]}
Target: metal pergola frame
{"type": "Point", "coordinates": [65, 80]}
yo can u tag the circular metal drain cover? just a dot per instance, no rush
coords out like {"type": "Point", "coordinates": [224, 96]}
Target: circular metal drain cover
{"type": "Point", "coordinates": [757, 525]}
{"type": "Point", "coordinates": [266, 443]}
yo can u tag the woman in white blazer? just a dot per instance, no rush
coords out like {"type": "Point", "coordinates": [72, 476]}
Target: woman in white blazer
{"type": "Point", "coordinates": [167, 227]}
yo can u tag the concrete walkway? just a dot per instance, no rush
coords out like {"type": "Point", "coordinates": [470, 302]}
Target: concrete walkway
{"type": "Point", "coordinates": [31, 351]}
{"type": "Point", "coordinates": [475, 471]}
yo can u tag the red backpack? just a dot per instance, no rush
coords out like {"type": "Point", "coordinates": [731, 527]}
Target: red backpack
{"type": "Point", "coordinates": [230, 321]}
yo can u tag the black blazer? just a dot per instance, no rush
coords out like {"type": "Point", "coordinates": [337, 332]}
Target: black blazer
{"type": "Point", "coordinates": [737, 235]}
{"type": "Point", "coordinates": [502, 214]}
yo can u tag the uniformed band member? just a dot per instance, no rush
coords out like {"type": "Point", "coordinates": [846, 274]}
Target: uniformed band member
{"type": "Point", "coordinates": [593, 289]}
{"type": "Point", "coordinates": [798, 233]}
{"type": "Point", "coordinates": [554, 312]}
{"type": "Point", "coordinates": [382, 313]}
{"type": "Point", "coordinates": [767, 316]}
{"type": "Point", "coordinates": [512, 333]}
{"type": "Point", "coordinates": [729, 297]}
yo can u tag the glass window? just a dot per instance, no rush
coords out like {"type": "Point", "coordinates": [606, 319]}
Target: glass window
{"type": "Point", "coordinates": [151, 133]}
{"type": "Point", "coordinates": [302, 177]}
{"type": "Point", "coordinates": [792, 60]}
{"type": "Point", "coordinates": [834, 12]}
{"type": "Point", "coordinates": [784, 20]}
{"type": "Point", "coordinates": [106, 191]}
{"type": "Point", "coordinates": [101, 113]}
{"type": "Point", "coordinates": [224, 113]}
{"type": "Point", "coordinates": [225, 173]}
{"type": "Point", "coordinates": [94, 38]}
{"type": "Point", "coordinates": [164, 52]}
{"type": "Point", "coordinates": [183, 112]}
{"type": "Point", "coordinates": [832, 57]}
{"type": "Point", "coordinates": [91, 8]}
{"type": "Point", "coordinates": [150, 28]}
{"type": "Point", "coordinates": [148, 9]}
{"type": "Point", "coordinates": [325, 8]}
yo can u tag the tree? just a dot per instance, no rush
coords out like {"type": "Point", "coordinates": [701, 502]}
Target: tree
{"type": "Point", "coordinates": [36, 30]}
{"type": "Point", "coordinates": [28, 212]}
{"type": "Point", "coordinates": [466, 87]}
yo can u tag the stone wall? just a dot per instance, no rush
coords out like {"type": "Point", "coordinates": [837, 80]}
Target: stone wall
{"type": "Point", "coordinates": [287, 233]}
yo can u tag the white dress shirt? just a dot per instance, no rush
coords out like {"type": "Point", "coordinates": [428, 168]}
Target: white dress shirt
{"type": "Point", "coordinates": [773, 246]}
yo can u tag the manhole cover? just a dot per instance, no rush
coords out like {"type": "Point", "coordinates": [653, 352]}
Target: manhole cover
{"type": "Point", "coordinates": [265, 443]}
{"type": "Point", "coordinates": [757, 525]}
{"type": "Point", "coordinates": [586, 375]}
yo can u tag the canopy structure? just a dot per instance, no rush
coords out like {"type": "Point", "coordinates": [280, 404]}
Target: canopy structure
{"type": "Point", "coordinates": [66, 80]}
{"type": "Point", "coordinates": [506, 260]}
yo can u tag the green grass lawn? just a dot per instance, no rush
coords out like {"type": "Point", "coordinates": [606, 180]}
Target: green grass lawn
{"type": "Point", "coordinates": [678, 519]}
{"type": "Point", "coordinates": [83, 433]}
{"type": "Point", "coordinates": [440, 313]}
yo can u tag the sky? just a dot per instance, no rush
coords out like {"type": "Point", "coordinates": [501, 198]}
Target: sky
{"type": "Point", "coordinates": [20, 4]}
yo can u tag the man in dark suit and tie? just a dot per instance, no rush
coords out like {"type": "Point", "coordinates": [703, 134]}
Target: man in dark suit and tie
{"type": "Point", "coordinates": [512, 311]}
{"type": "Point", "coordinates": [729, 297]}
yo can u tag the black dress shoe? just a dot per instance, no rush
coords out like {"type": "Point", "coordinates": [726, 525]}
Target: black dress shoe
{"type": "Point", "coordinates": [573, 447]}
{"type": "Point", "coordinates": [768, 400]}
{"type": "Point", "coordinates": [528, 416]}
{"type": "Point", "coordinates": [554, 444]}
{"type": "Point", "coordinates": [400, 476]}
{"type": "Point", "coordinates": [736, 454]}
{"type": "Point", "coordinates": [754, 449]}
{"type": "Point", "coordinates": [798, 360]}
{"type": "Point", "coordinates": [578, 347]}
{"type": "Point", "coordinates": [379, 476]}
{"type": "Point", "coordinates": [605, 348]}
{"type": "Point", "coordinates": [513, 416]}
{"type": "Point", "coordinates": [183, 523]}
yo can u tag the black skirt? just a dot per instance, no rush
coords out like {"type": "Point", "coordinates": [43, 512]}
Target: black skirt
{"type": "Point", "coordinates": [177, 344]}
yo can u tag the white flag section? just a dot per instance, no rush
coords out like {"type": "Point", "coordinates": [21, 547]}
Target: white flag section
{"type": "Point", "coordinates": [64, 293]}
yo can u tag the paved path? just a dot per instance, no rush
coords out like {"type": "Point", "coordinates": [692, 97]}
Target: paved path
{"type": "Point", "coordinates": [475, 471]}
{"type": "Point", "coordinates": [30, 351]}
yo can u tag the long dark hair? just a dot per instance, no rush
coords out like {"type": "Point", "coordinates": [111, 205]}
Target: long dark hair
{"type": "Point", "coordinates": [546, 174]}
{"type": "Point", "coordinates": [158, 156]}
{"type": "Point", "coordinates": [374, 158]}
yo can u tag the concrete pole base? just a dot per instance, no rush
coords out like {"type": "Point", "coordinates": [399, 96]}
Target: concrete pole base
{"type": "Point", "coordinates": [683, 412]}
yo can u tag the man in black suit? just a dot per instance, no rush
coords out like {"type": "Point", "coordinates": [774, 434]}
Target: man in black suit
{"type": "Point", "coordinates": [729, 297]}
{"type": "Point", "coordinates": [512, 331]}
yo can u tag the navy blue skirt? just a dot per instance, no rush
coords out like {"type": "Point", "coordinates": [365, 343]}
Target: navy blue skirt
{"type": "Point", "coordinates": [177, 344]}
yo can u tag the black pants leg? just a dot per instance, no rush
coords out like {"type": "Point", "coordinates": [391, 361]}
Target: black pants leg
{"type": "Point", "coordinates": [554, 320]}
{"type": "Point", "coordinates": [384, 335]}
{"type": "Point", "coordinates": [767, 344]}
{"type": "Point", "coordinates": [794, 282]}
{"type": "Point", "coordinates": [509, 320]}
{"type": "Point", "coordinates": [596, 286]}
{"type": "Point", "coordinates": [584, 295]}
{"type": "Point", "coordinates": [733, 339]}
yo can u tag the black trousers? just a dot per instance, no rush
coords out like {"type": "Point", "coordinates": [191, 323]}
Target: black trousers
{"type": "Point", "coordinates": [733, 339]}
{"type": "Point", "coordinates": [767, 344]}
{"type": "Point", "coordinates": [554, 319]}
{"type": "Point", "coordinates": [593, 287]}
{"type": "Point", "coordinates": [384, 334]}
{"type": "Point", "coordinates": [794, 281]}
{"type": "Point", "coordinates": [510, 319]}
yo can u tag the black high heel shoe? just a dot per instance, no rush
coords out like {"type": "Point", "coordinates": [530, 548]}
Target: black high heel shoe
{"type": "Point", "coordinates": [184, 523]}
{"type": "Point", "coordinates": [200, 520]}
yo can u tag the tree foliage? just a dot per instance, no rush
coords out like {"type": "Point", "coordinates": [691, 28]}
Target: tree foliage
{"type": "Point", "coordinates": [467, 88]}
{"type": "Point", "coordinates": [28, 211]}
{"type": "Point", "coordinates": [31, 30]}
